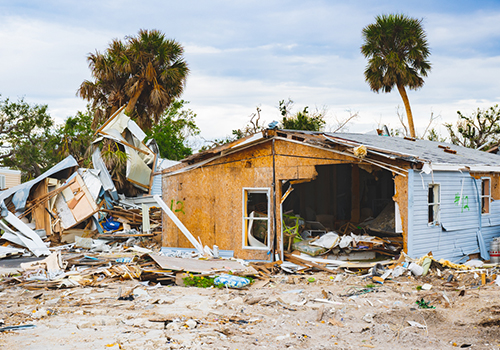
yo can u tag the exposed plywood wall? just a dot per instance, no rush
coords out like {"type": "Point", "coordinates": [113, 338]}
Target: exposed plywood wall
{"type": "Point", "coordinates": [208, 200]}
{"type": "Point", "coordinates": [401, 198]}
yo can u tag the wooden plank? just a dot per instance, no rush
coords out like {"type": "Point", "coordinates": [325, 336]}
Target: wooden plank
{"type": "Point", "coordinates": [299, 261]}
{"type": "Point", "coordinates": [195, 265]}
{"type": "Point", "coordinates": [40, 213]}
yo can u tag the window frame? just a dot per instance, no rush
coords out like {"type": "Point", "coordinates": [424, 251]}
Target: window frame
{"type": "Point", "coordinates": [483, 180]}
{"type": "Point", "coordinates": [245, 192]}
{"type": "Point", "coordinates": [436, 206]}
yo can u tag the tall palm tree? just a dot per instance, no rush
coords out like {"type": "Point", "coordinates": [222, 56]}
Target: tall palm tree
{"type": "Point", "coordinates": [147, 72]}
{"type": "Point", "coordinates": [397, 51]}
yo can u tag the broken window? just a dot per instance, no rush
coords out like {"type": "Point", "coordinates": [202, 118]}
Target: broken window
{"type": "Point", "coordinates": [434, 202]}
{"type": "Point", "coordinates": [256, 218]}
{"type": "Point", "coordinates": [485, 195]}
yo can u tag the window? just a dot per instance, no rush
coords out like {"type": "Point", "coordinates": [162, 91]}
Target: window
{"type": "Point", "coordinates": [256, 218]}
{"type": "Point", "coordinates": [2, 182]}
{"type": "Point", "coordinates": [434, 202]}
{"type": "Point", "coordinates": [485, 195]}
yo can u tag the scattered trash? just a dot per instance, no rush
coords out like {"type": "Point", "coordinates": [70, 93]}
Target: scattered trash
{"type": "Point", "coordinates": [426, 286]}
{"type": "Point", "coordinates": [426, 265]}
{"type": "Point", "coordinates": [417, 270]}
{"type": "Point", "coordinates": [368, 318]}
{"type": "Point", "coordinates": [231, 281]}
{"type": "Point", "coordinates": [191, 324]}
{"type": "Point", "coordinates": [416, 324]}
{"type": "Point", "coordinates": [15, 328]}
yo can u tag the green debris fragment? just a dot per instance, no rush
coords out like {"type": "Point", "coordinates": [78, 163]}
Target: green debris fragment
{"type": "Point", "coordinates": [422, 304]}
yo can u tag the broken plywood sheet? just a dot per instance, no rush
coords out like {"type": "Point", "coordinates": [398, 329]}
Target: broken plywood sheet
{"type": "Point", "coordinates": [75, 204]}
{"type": "Point", "coordinates": [194, 265]}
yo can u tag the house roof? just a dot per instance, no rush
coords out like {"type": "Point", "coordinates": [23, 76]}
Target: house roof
{"type": "Point", "coordinates": [436, 153]}
{"type": "Point", "coordinates": [439, 155]}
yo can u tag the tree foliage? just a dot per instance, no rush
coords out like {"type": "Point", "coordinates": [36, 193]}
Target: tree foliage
{"type": "Point", "coordinates": [31, 142]}
{"type": "Point", "coordinates": [26, 140]}
{"type": "Point", "coordinates": [75, 136]}
{"type": "Point", "coordinates": [397, 50]}
{"type": "Point", "coordinates": [172, 131]}
{"type": "Point", "coordinates": [146, 71]}
{"type": "Point", "coordinates": [479, 130]}
{"type": "Point", "coordinates": [301, 120]}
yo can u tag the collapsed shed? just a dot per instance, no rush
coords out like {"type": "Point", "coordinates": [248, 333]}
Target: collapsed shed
{"type": "Point", "coordinates": [251, 196]}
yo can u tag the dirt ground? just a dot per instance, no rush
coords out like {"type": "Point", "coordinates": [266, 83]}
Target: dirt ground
{"type": "Point", "coordinates": [289, 312]}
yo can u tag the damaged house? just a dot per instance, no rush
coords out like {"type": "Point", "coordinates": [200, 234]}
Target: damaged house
{"type": "Point", "coordinates": [254, 196]}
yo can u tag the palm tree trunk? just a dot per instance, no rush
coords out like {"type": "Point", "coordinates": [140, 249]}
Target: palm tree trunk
{"type": "Point", "coordinates": [409, 115]}
{"type": "Point", "coordinates": [134, 98]}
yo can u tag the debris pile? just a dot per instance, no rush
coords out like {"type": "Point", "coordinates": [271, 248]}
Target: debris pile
{"type": "Point", "coordinates": [310, 244]}
{"type": "Point", "coordinates": [71, 204]}
{"type": "Point", "coordinates": [72, 267]}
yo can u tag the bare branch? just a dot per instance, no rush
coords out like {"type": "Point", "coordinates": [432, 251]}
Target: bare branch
{"type": "Point", "coordinates": [343, 122]}
{"type": "Point", "coordinates": [401, 120]}
{"type": "Point", "coordinates": [432, 119]}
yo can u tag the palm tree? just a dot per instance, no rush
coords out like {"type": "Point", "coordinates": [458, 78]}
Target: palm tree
{"type": "Point", "coordinates": [397, 51]}
{"type": "Point", "coordinates": [147, 72]}
{"type": "Point", "coordinates": [157, 75]}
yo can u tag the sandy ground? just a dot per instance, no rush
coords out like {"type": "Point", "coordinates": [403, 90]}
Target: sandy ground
{"type": "Point", "coordinates": [280, 315]}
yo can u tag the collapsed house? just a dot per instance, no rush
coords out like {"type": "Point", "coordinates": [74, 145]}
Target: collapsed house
{"type": "Point", "coordinates": [256, 195]}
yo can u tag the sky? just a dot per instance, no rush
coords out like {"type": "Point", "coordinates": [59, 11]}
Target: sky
{"type": "Point", "coordinates": [248, 54]}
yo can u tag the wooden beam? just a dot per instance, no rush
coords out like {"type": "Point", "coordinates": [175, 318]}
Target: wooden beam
{"type": "Point", "coordinates": [355, 200]}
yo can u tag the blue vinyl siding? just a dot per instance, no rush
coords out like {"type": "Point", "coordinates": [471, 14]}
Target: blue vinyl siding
{"type": "Point", "coordinates": [456, 234]}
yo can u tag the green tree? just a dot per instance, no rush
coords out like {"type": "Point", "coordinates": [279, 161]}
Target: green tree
{"type": "Point", "coordinates": [479, 130]}
{"type": "Point", "coordinates": [26, 140]}
{"type": "Point", "coordinates": [75, 136]}
{"type": "Point", "coordinates": [146, 71]}
{"type": "Point", "coordinates": [302, 120]}
{"type": "Point", "coordinates": [173, 129]}
{"type": "Point", "coordinates": [397, 50]}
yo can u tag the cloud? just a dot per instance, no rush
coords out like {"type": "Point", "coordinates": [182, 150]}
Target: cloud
{"type": "Point", "coordinates": [44, 60]}
{"type": "Point", "coordinates": [255, 53]}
